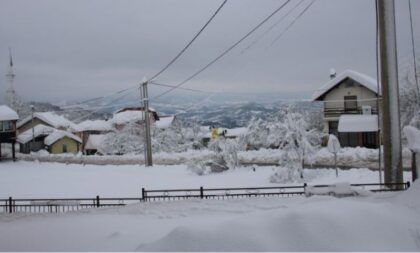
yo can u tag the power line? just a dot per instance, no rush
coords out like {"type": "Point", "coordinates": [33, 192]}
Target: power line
{"type": "Point", "coordinates": [291, 24]}
{"type": "Point", "coordinates": [172, 86]}
{"type": "Point", "coordinates": [101, 97]}
{"type": "Point", "coordinates": [225, 52]}
{"type": "Point", "coordinates": [189, 44]}
{"type": "Point", "coordinates": [271, 27]}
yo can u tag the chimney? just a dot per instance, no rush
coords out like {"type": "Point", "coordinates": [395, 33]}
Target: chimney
{"type": "Point", "coordinates": [333, 74]}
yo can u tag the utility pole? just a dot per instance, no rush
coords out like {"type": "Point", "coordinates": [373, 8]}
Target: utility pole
{"type": "Point", "coordinates": [391, 132]}
{"type": "Point", "coordinates": [148, 150]}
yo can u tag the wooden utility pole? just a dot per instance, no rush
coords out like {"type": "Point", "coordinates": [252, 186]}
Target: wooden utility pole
{"type": "Point", "coordinates": [149, 161]}
{"type": "Point", "coordinates": [388, 69]}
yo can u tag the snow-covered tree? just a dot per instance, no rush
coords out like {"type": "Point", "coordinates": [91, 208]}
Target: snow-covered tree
{"type": "Point", "coordinates": [226, 150]}
{"type": "Point", "coordinates": [297, 143]}
{"type": "Point", "coordinates": [129, 139]}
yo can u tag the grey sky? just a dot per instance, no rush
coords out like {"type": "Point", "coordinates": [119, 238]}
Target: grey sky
{"type": "Point", "coordinates": [85, 48]}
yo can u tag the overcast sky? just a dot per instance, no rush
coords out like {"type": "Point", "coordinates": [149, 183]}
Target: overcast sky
{"type": "Point", "coordinates": [79, 49]}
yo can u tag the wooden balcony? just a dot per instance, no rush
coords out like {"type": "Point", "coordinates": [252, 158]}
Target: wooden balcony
{"type": "Point", "coordinates": [336, 112]}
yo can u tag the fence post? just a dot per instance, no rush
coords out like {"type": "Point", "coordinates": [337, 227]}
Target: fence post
{"type": "Point", "coordinates": [201, 192]}
{"type": "Point", "coordinates": [10, 205]}
{"type": "Point", "coordinates": [143, 194]}
{"type": "Point", "coordinates": [97, 201]}
{"type": "Point", "coordinates": [407, 185]}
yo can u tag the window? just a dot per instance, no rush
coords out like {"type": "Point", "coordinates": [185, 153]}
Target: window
{"type": "Point", "coordinates": [6, 126]}
{"type": "Point", "coordinates": [350, 103]}
{"type": "Point", "coordinates": [64, 148]}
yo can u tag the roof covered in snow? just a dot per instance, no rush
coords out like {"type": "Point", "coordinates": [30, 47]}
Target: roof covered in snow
{"type": "Point", "coordinates": [58, 135]}
{"type": "Point", "coordinates": [50, 118]}
{"type": "Point", "coordinates": [165, 121]}
{"type": "Point", "coordinates": [6, 113]}
{"type": "Point", "coordinates": [39, 130]}
{"type": "Point", "coordinates": [366, 81]}
{"type": "Point", "coordinates": [93, 125]}
{"type": "Point", "coordinates": [358, 123]}
{"type": "Point", "coordinates": [94, 141]}
{"type": "Point", "coordinates": [127, 117]}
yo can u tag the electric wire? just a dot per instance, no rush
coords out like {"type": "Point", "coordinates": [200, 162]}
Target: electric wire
{"type": "Point", "coordinates": [181, 88]}
{"type": "Point", "coordinates": [189, 44]}
{"type": "Point", "coordinates": [292, 23]}
{"type": "Point", "coordinates": [271, 27]}
{"type": "Point", "coordinates": [224, 52]}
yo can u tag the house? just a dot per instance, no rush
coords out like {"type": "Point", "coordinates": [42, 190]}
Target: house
{"type": "Point", "coordinates": [33, 139]}
{"type": "Point", "coordinates": [165, 121]}
{"type": "Point", "coordinates": [45, 118]}
{"type": "Point", "coordinates": [351, 108]}
{"type": "Point", "coordinates": [8, 119]}
{"type": "Point", "coordinates": [93, 143]}
{"type": "Point", "coordinates": [91, 127]}
{"type": "Point", "coordinates": [61, 141]}
{"type": "Point", "coordinates": [45, 137]}
{"type": "Point", "coordinates": [132, 115]}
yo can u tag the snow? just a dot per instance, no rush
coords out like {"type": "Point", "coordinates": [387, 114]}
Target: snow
{"type": "Point", "coordinates": [59, 134]}
{"type": "Point", "coordinates": [51, 119]}
{"type": "Point", "coordinates": [413, 138]}
{"type": "Point", "coordinates": [38, 130]}
{"type": "Point", "coordinates": [333, 144]}
{"type": "Point", "coordinates": [6, 113]}
{"type": "Point", "coordinates": [127, 117]}
{"type": "Point", "coordinates": [363, 79]}
{"type": "Point", "coordinates": [358, 123]}
{"type": "Point", "coordinates": [374, 222]}
{"type": "Point", "coordinates": [165, 121]}
{"type": "Point", "coordinates": [94, 141]}
{"type": "Point", "coordinates": [93, 125]}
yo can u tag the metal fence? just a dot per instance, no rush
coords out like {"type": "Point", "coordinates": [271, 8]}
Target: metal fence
{"type": "Point", "coordinates": [55, 205]}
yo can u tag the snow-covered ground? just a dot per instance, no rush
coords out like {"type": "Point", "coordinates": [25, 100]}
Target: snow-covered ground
{"type": "Point", "coordinates": [31, 180]}
{"type": "Point", "coordinates": [377, 222]}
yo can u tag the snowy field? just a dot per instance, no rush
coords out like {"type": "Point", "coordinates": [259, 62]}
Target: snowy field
{"type": "Point", "coordinates": [377, 222]}
{"type": "Point", "coordinates": [56, 180]}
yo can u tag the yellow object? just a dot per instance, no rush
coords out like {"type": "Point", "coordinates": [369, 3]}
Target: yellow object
{"type": "Point", "coordinates": [214, 133]}
{"type": "Point", "coordinates": [64, 145]}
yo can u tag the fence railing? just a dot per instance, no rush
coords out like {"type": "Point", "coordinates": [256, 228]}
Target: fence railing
{"type": "Point", "coordinates": [54, 205]}
{"type": "Point", "coordinates": [224, 193]}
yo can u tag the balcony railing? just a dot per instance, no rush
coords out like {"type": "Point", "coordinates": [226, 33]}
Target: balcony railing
{"type": "Point", "coordinates": [337, 111]}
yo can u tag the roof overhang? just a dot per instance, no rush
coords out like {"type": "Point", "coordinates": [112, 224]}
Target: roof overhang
{"type": "Point", "coordinates": [358, 123]}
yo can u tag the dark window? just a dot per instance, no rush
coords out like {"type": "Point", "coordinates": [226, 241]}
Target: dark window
{"type": "Point", "coordinates": [333, 127]}
{"type": "Point", "coordinates": [350, 103]}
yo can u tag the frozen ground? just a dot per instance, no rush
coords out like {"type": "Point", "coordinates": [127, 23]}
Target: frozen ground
{"type": "Point", "coordinates": [377, 222]}
{"type": "Point", "coordinates": [48, 180]}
